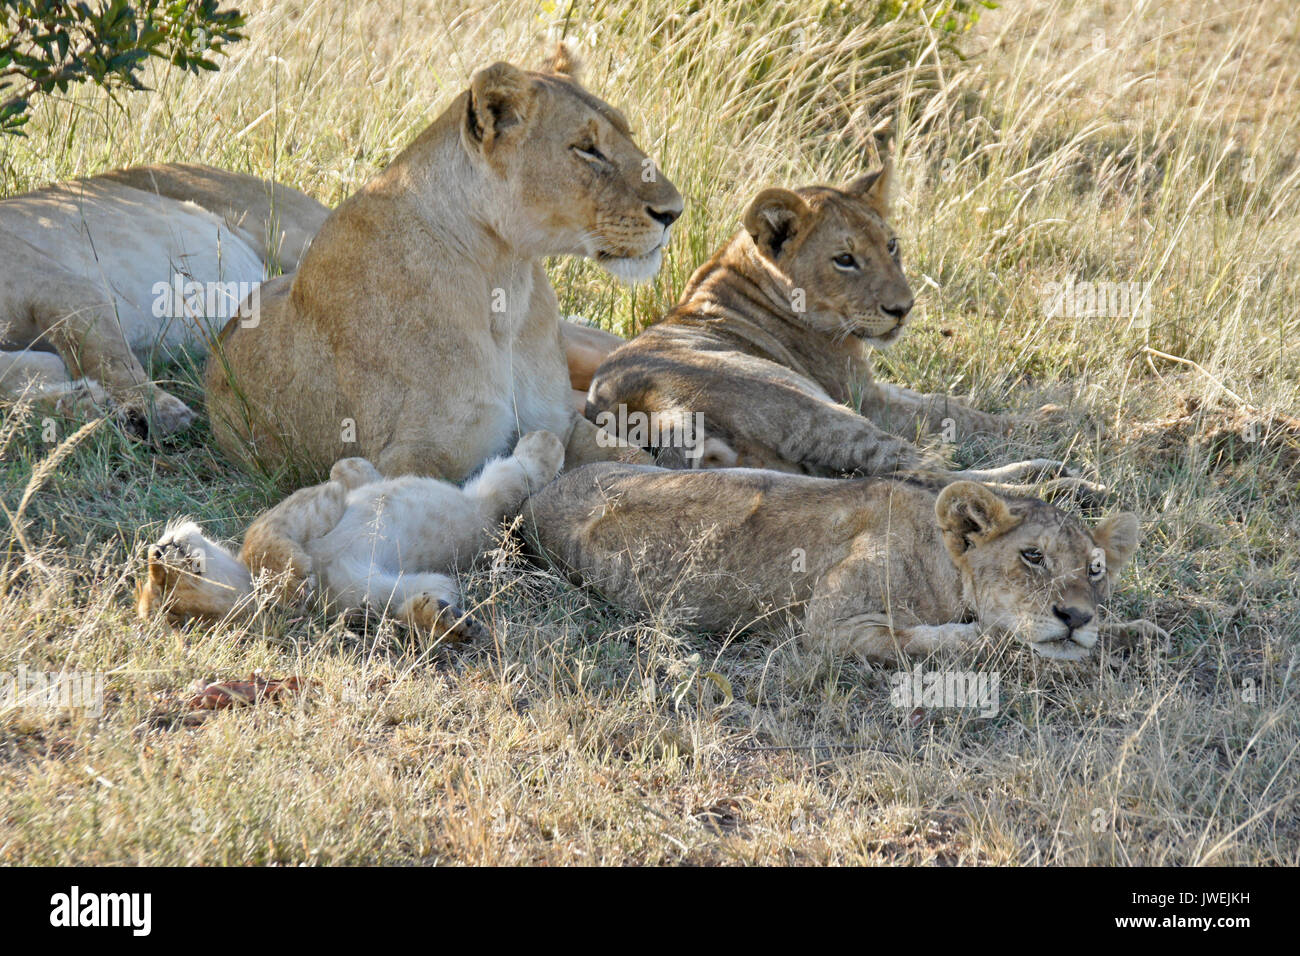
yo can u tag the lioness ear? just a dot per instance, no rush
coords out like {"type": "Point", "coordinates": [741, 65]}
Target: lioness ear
{"type": "Point", "coordinates": [501, 102]}
{"type": "Point", "coordinates": [564, 61]}
{"type": "Point", "coordinates": [774, 218]}
{"type": "Point", "coordinates": [875, 187]}
{"type": "Point", "coordinates": [1118, 537]}
{"type": "Point", "coordinates": [971, 514]}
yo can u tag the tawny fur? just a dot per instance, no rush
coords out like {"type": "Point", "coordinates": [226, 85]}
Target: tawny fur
{"type": "Point", "coordinates": [359, 541]}
{"type": "Point", "coordinates": [771, 339]}
{"type": "Point", "coordinates": [420, 331]}
{"type": "Point", "coordinates": [81, 262]}
{"type": "Point", "coordinates": [877, 567]}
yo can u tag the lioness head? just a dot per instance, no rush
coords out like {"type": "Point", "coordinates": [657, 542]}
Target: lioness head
{"type": "Point", "coordinates": [1031, 570]}
{"type": "Point", "coordinates": [835, 256]}
{"type": "Point", "coordinates": [574, 180]}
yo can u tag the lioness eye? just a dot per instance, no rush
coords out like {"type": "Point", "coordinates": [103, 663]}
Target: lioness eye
{"type": "Point", "coordinates": [591, 153]}
{"type": "Point", "coordinates": [893, 248]}
{"type": "Point", "coordinates": [845, 261]}
{"type": "Point", "coordinates": [1032, 556]}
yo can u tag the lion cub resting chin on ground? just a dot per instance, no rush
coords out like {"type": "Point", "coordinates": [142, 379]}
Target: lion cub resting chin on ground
{"type": "Point", "coordinates": [879, 567]}
{"type": "Point", "coordinates": [363, 540]}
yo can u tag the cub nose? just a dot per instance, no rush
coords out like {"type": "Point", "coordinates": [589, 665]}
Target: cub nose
{"type": "Point", "coordinates": [897, 312]}
{"type": "Point", "coordinates": [1073, 617]}
{"type": "Point", "coordinates": [665, 216]}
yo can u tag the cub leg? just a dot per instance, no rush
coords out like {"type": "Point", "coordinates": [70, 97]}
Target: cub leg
{"type": "Point", "coordinates": [428, 602]}
{"type": "Point", "coordinates": [849, 614]}
{"type": "Point", "coordinates": [275, 544]}
{"type": "Point", "coordinates": [807, 429]}
{"type": "Point", "coordinates": [189, 575]}
{"type": "Point", "coordinates": [504, 483]}
{"type": "Point", "coordinates": [907, 412]}
{"type": "Point", "coordinates": [871, 635]}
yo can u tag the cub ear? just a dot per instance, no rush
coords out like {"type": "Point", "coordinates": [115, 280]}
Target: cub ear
{"type": "Point", "coordinates": [875, 187]}
{"type": "Point", "coordinates": [1118, 537]}
{"type": "Point", "coordinates": [970, 514]}
{"type": "Point", "coordinates": [774, 218]}
{"type": "Point", "coordinates": [564, 61]}
{"type": "Point", "coordinates": [501, 103]}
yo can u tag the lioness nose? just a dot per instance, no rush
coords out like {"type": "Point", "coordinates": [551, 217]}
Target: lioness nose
{"type": "Point", "coordinates": [665, 216]}
{"type": "Point", "coordinates": [1072, 617]}
{"type": "Point", "coordinates": [897, 312]}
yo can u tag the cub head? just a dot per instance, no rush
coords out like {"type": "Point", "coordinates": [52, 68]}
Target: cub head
{"type": "Point", "coordinates": [835, 256]}
{"type": "Point", "coordinates": [1031, 570]}
{"type": "Point", "coordinates": [572, 179]}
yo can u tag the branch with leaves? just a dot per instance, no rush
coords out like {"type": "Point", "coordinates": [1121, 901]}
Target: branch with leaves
{"type": "Point", "coordinates": [48, 45]}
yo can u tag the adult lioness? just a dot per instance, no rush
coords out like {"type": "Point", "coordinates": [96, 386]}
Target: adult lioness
{"type": "Point", "coordinates": [98, 273]}
{"type": "Point", "coordinates": [879, 567]}
{"type": "Point", "coordinates": [420, 330]}
{"type": "Point", "coordinates": [771, 338]}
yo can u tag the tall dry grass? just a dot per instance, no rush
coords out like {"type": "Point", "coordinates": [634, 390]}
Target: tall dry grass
{"type": "Point", "coordinates": [1152, 142]}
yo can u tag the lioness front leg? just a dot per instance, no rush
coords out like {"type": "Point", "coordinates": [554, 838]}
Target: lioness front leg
{"type": "Point", "coordinates": [79, 321]}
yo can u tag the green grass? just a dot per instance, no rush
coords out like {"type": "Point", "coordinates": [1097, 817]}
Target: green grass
{"type": "Point", "coordinates": [582, 734]}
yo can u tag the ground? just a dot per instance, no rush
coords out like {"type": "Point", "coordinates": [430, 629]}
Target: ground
{"type": "Point", "coordinates": [1153, 142]}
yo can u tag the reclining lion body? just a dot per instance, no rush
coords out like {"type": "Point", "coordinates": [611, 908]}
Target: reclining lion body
{"type": "Point", "coordinates": [770, 346]}
{"type": "Point", "coordinates": [878, 567]}
{"type": "Point", "coordinates": [84, 263]}
{"type": "Point", "coordinates": [421, 331]}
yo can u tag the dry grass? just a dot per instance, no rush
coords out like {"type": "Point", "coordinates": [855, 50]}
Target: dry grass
{"type": "Point", "coordinates": [1150, 142]}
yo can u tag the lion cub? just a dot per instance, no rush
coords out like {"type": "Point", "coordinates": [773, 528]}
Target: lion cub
{"type": "Point", "coordinates": [770, 345]}
{"type": "Point", "coordinates": [878, 567]}
{"type": "Point", "coordinates": [362, 540]}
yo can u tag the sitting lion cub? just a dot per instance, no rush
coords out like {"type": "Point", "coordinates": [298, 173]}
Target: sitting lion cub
{"type": "Point", "coordinates": [878, 567]}
{"type": "Point", "coordinates": [757, 363]}
{"type": "Point", "coordinates": [366, 541]}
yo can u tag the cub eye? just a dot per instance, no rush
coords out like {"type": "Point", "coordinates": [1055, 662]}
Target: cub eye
{"type": "Point", "coordinates": [893, 248]}
{"type": "Point", "coordinates": [1097, 564]}
{"type": "Point", "coordinates": [591, 154]}
{"type": "Point", "coordinates": [845, 261]}
{"type": "Point", "coordinates": [1032, 556]}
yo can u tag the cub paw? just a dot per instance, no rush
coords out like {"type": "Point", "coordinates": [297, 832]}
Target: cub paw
{"type": "Point", "coordinates": [352, 473]}
{"type": "Point", "coordinates": [170, 562]}
{"type": "Point", "coordinates": [443, 621]}
{"type": "Point", "coordinates": [541, 454]}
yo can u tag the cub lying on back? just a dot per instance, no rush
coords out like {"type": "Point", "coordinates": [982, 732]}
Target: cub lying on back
{"type": "Point", "coordinates": [878, 567]}
{"type": "Point", "coordinates": [772, 337]}
{"type": "Point", "coordinates": [365, 541]}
